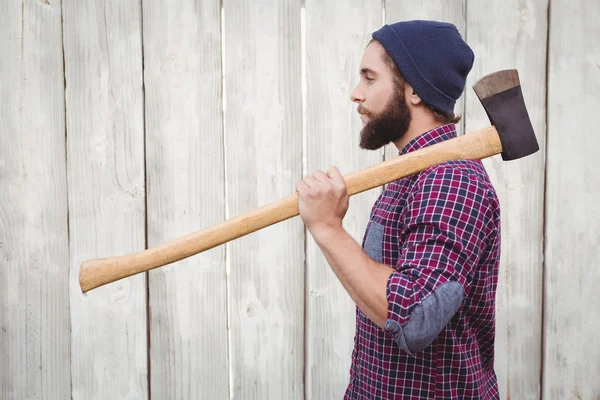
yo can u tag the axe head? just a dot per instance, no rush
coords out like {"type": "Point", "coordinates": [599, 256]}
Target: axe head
{"type": "Point", "coordinates": [501, 96]}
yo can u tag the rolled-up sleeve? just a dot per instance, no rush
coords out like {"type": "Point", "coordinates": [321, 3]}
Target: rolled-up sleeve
{"type": "Point", "coordinates": [443, 237]}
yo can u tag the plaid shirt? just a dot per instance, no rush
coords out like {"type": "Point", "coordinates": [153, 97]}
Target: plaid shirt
{"type": "Point", "coordinates": [436, 227]}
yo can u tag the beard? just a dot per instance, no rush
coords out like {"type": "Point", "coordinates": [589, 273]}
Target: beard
{"type": "Point", "coordinates": [388, 126]}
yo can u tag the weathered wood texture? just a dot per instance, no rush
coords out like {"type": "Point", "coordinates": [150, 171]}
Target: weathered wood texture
{"type": "Point", "coordinates": [337, 33]}
{"type": "Point", "coordinates": [185, 177]}
{"type": "Point", "coordinates": [263, 142]}
{"type": "Point", "coordinates": [571, 301]}
{"type": "Point", "coordinates": [262, 316]}
{"type": "Point", "coordinates": [452, 11]}
{"type": "Point", "coordinates": [105, 161]}
{"type": "Point", "coordinates": [506, 35]}
{"type": "Point", "coordinates": [34, 251]}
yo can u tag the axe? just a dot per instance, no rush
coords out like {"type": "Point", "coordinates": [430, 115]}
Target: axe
{"type": "Point", "coordinates": [510, 134]}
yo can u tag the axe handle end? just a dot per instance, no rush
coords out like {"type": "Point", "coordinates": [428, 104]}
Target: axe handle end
{"type": "Point", "coordinates": [101, 271]}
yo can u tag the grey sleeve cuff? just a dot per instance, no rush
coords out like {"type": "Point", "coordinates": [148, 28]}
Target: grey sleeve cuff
{"type": "Point", "coordinates": [427, 319]}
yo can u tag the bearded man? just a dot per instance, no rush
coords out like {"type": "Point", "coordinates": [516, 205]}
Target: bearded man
{"type": "Point", "coordinates": [424, 280]}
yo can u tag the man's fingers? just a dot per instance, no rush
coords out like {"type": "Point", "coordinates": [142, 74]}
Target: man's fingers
{"type": "Point", "coordinates": [301, 185]}
{"type": "Point", "coordinates": [334, 173]}
{"type": "Point", "coordinates": [337, 178]}
{"type": "Point", "coordinates": [311, 181]}
{"type": "Point", "coordinates": [320, 179]}
{"type": "Point", "coordinates": [321, 176]}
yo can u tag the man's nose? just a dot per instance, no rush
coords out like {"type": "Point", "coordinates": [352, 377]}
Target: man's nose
{"type": "Point", "coordinates": [356, 95]}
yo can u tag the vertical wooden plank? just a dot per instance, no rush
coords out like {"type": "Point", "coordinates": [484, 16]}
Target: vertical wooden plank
{"type": "Point", "coordinates": [105, 153]}
{"type": "Point", "coordinates": [263, 135]}
{"type": "Point", "coordinates": [571, 301]}
{"type": "Point", "coordinates": [506, 35]}
{"type": "Point", "coordinates": [185, 175]}
{"type": "Point", "coordinates": [34, 252]}
{"type": "Point", "coordinates": [337, 33]}
{"type": "Point", "coordinates": [452, 11]}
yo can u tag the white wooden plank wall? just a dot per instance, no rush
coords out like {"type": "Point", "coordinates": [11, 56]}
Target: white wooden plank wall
{"type": "Point", "coordinates": [571, 301]}
{"type": "Point", "coordinates": [518, 41]}
{"type": "Point", "coordinates": [135, 116]}
{"type": "Point", "coordinates": [263, 142]}
{"type": "Point", "coordinates": [185, 177]}
{"type": "Point", "coordinates": [34, 252]}
{"type": "Point", "coordinates": [105, 154]}
{"type": "Point", "coordinates": [333, 55]}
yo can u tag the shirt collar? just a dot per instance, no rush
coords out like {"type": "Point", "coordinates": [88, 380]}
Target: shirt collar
{"type": "Point", "coordinates": [428, 138]}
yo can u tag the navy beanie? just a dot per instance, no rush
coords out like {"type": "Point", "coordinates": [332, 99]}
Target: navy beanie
{"type": "Point", "coordinates": [433, 58]}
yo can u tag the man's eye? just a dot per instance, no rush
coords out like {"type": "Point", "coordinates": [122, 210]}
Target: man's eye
{"type": "Point", "coordinates": [368, 78]}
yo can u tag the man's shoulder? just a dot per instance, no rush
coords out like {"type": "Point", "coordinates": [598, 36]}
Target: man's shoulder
{"type": "Point", "coordinates": [468, 176]}
{"type": "Point", "coordinates": [450, 172]}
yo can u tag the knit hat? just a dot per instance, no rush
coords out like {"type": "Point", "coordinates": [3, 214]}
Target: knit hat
{"type": "Point", "coordinates": [433, 58]}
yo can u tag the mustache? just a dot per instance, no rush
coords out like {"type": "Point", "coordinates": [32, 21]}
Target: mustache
{"type": "Point", "coordinates": [362, 110]}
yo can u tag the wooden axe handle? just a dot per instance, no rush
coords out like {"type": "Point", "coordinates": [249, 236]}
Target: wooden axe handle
{"type": "Point", "coordinates": [476, 145]}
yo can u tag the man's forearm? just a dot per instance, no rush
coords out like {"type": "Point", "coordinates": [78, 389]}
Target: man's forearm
{"type": "Point", "coordinates": [362, 277]}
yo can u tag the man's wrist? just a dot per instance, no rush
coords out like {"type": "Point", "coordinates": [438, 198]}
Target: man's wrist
{"type": "Point", "coordinates": [326, 235]}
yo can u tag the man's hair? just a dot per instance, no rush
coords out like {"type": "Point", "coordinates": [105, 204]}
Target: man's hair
{"type": "Point", "coordinates": [400, 82]}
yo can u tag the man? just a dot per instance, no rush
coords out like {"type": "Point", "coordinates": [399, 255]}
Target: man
{"type": "Point", "coordinates": [424, 281]}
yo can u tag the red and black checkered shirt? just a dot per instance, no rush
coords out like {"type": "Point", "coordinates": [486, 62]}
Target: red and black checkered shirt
{"type": "Point", "coordinates": [440, 230]}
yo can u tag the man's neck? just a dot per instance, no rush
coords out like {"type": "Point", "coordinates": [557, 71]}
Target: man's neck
{"type": "Point", "coordinates": [418, 126]}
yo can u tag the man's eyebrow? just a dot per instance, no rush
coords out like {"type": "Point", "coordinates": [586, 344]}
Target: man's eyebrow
{"type": "Point", "coordinates": [365, 71]}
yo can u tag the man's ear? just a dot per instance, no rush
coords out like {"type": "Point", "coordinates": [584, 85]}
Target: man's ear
{"type": "Point", "coordinates": [411, 96]}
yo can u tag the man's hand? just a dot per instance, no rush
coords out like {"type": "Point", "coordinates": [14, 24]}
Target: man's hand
{"type": "Point", "coordinates": [323, 202]}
